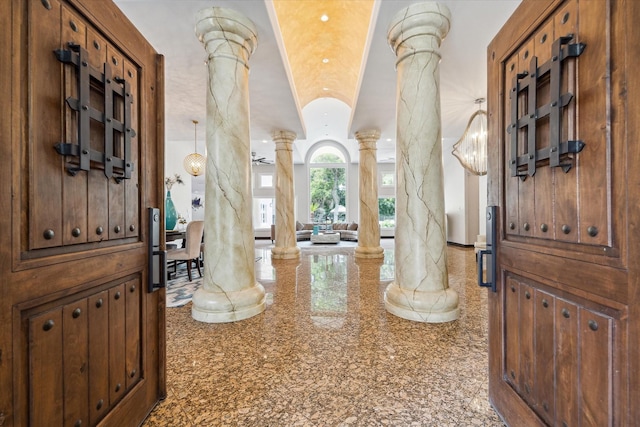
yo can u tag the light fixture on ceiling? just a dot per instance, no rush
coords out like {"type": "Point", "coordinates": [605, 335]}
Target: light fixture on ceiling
{"type": "Point", "coordinates": [255, 160]}
{"type": "Point", "coordinates": [324, 17]}
{"type": "Point", "coordinates": [471, 149]}
{"type": "Point", "coordinates": [194, 163]}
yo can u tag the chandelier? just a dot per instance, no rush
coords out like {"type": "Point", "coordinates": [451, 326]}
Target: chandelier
{"type": "Point", "coordinates": [194, 163]}
{"type": "Point", "coordinates": [471, 149]}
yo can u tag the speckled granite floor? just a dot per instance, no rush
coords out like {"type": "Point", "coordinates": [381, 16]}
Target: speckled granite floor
{"type": "Point", "coordinates": [326, 353]}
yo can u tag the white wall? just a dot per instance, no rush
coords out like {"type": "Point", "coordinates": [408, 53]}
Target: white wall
{"type": "Point", "coordinates": [176, 151]}
{"type": "Point", "coordinates": [461, 194]}
{"type": "Point", "coordinates": [482, 204]}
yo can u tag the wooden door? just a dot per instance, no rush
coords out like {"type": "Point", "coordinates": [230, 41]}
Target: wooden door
{"type": "Point", "coordinates": [81, 337]}
{"type": "Point", "coordinates": [565, 319]}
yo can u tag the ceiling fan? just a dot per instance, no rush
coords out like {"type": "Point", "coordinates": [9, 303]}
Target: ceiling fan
{"type": "Point", "coordinates": [259, 160]}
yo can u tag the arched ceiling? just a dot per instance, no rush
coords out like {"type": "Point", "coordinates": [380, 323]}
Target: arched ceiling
{"type": "Point", "coordinates": [287, 75]}
{"type": "Point", "coordinates": [324, 42]}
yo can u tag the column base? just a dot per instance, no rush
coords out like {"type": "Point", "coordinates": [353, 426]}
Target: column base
{"type": "Point", "coordinates": [422, 306]}
{"type": "Point", "coordinates": [369, 252]}
{"type": "Point", "coordinates": [291, 252]}
{"type": "Point", "coordinates": [224, 307]}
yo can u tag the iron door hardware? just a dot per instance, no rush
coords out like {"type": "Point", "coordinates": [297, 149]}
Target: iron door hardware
{"type": "Point", "coordinates": [524, 164]}
{"type": "Point", "coordinates": [157, 258]}
{"type": "Point", "coordinates": [114, 88]}
{"type": "Point", "coordinates": [489, 252]}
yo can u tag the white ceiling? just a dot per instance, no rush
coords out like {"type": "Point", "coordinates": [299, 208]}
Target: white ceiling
{"type": "Point", "coordinates": [169, 26]}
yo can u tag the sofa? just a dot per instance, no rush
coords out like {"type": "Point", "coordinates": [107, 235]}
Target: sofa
{"type": "Point", "coordinates": [304, 231]}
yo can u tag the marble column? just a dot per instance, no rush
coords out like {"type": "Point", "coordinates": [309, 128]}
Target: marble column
{"type": "Point", "coordinates": [286, 246]}
{"type": "Point", "coordinates": [230, 291]}
{"type": "Point", "coordinates": [369, 224]}
{"type": "Point", "coordinates": [421, 290]}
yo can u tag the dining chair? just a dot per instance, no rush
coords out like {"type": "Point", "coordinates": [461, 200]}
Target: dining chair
{"type": "Point", "coordinates": [191, 250]}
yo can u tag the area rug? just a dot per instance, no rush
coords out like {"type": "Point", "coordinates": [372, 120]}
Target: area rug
{"type": "Point", "coordinates": [180, 290]}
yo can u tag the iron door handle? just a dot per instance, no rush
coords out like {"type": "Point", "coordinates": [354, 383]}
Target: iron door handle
{"type": "Point", "coordinates": [490, 251]}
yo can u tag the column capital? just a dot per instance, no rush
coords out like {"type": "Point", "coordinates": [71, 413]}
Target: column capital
{"type": "Point", "coordinates": [418, 28]}
{"type": "Point", "coordinates": [367, 138]}
{"type": "Point", "coordinates": [283, 136]}
{"type": "Point", "coordinates": [226, 33]}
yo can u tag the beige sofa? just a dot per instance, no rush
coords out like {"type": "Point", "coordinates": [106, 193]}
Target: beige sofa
{"type": "Point", "coordinates": [304, 231]}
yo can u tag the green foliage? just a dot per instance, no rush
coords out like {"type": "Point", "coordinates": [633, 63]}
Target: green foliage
{"type": "Point", "coordinates": [387, 207]}
{"type": "Point", "coordinates": [387, 212]}
{"type": "Point", "coordinates": [327, 158]}
{"type": "Point", "coordinates": [328, 189]}
{"type": "Point", "coordinates": [388, 223]}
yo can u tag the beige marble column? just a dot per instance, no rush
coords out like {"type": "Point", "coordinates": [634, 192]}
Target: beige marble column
{"type": "Point", "coordinates": [286, 246]}
{"type": "Point", "coordinates": [368, 223]}
{"type": "Point", "coordinates": [421, 290]}
{"type": "Point", "coordinates": [230, 291]}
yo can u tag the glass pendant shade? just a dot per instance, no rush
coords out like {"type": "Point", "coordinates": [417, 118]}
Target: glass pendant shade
{"type": "Point", "coordinates": [194, 163]}
{"type": "Point", "coordinates": [471, 149]}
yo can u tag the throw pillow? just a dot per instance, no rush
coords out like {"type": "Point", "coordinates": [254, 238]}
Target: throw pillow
{"type": "Point", "coordinates": [299, 226]}
{"type": "Point", "coordinates": [353, 226]}
{"type": "Point", "coordinates": [308, 227]}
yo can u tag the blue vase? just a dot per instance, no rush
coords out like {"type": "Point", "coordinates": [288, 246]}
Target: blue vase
{"type": "Point", "coordinates": [170, 214]}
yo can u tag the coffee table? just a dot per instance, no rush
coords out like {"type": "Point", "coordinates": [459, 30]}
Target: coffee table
{"type": "Point", "coordinates": [325, 238]}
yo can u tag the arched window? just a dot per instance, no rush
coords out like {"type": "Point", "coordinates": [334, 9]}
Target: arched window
{"type": "Point", "coordinates": [327, 154]}
{"type": "Point", "coordinates": [328, 184]}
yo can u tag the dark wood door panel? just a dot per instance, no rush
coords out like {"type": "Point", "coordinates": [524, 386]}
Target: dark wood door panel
{"type": "Point", "coordinates": [544, 355]}
{"type": "Point", "coordinates": [559, 355]}
{"type": "Point", "coordinates": [98, 308]}
{"type": "Point", "coordinates": [46, 402]}
{"type": "Point", "coordinates": [600, 282]}
{"type": "Point", "coordinates": [90, 204]}
{"type": "Point", "coordinates": [45, 186]}
{"type": "Point", "coordinates": [84, 356]}
{"type": "Point", "coordinates": [567, 236]}
{"type": "Point", "coordinates": [562, 204]}
{"type": "Point", "coordinates": [80, 338]}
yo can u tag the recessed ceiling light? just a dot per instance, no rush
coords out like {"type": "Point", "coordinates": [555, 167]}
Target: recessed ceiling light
{"type": "Point", "coordinates": [325, 60]}
{"type": "Point", "coordinates": [264, 141]}
{"type": "Point", "coordinates": [388, 139]}
{"type": "Point", "coordinates": [325, 88]}
{"type": "Point", "coordinates": [324, 17]}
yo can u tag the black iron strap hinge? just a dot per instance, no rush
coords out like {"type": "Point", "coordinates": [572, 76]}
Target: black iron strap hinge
{"type": "Point", "coordinates": [524, 164]}
{"type": "Point", "coordinates": [114, 87]}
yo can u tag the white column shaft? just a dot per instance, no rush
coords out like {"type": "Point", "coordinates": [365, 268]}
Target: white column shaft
{"type": "Point", "coordinates": [285, 244]}
{"type": "Point", "coordinates": [369, 224]}
{"type": "Point", "coordinates": [421, 289]}
{"type": "Point", "coordinates": [229, 291]}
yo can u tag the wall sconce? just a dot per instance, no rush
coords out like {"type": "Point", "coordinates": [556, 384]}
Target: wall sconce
{"type": "Point", "coordinates": [471, 149]}
{"type": "Point", "coordinates": [194, 163]}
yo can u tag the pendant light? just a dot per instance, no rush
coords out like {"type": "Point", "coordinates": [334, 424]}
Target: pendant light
{"type": "Point", "coordinates": [471, 149]}
{"type": "Point", "coordinates": [194, 163]}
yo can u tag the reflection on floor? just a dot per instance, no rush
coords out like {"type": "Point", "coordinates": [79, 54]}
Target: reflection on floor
{"type": "Point", "coordinates": [326, 353]}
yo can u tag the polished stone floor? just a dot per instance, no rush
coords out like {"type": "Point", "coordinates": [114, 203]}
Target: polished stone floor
{"type": "Point", "coordinates": [326, 353]}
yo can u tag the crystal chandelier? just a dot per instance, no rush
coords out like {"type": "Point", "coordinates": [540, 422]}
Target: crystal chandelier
{"type": "Point", "coordinates": [194, 163]}
{"type": "Point", "coordinates": [471, 149]}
